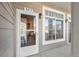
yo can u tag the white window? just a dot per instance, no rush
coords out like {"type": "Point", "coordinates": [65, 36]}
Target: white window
{"type": "Point", "coordinates": [53, 26]}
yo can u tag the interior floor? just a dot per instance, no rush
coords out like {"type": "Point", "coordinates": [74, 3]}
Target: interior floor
{"type": "Point", "coordinates": [64, 51]}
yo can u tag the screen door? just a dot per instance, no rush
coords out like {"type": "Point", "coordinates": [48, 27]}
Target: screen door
{"type": "Point", "coordinates": [27, 33]}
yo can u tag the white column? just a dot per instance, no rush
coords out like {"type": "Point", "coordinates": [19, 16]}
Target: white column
{"type": "Point", "coordinates": [75, 28]}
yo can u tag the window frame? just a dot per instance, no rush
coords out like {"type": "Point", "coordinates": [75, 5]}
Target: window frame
{"type": "Point", "coordinates": [44, 42]}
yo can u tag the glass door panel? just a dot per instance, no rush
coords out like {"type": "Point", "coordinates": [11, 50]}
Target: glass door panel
{"type": "Point", "coordinates": [28, 36]}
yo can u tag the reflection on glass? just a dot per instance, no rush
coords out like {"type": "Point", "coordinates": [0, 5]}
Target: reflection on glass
{"type": "Point", "coordinates": [30, 38]}
{"type": "Point", "coordinates": [27, 30]}
{"type": "Point", "coordinates": [69, 33]}
{"type": "Point", "coordinates": [49, 29]}
{"type": "Point", "coordinates": [46, 29]}
{"type": "Point", "coordinates": [59, 29]}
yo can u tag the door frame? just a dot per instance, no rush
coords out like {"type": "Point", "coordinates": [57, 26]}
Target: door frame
{"type": "Point", "coordinates": [18, 19]}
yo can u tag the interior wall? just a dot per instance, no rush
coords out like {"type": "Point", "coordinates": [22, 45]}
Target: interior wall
{"type": "Point", "coordinates": [7, 29]}
{"type": "Point", "coordinates": [38, 8]}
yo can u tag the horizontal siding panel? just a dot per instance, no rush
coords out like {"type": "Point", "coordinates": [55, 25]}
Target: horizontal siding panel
{"type": "Point", "coordinates": [5, 24]}
{"type": "Point", "coordinates": [6, 42]}
{"type": "Point", "coordinates": [7, 29]}
{"type": "Point", "coordinates": [11, 5]}
{"type": "Point", "coordinates": [5, 14]}
{"type": "Point", "coordinates": [8, 8]}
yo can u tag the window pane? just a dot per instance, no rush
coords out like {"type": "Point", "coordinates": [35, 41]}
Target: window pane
{"type": "Point", "coordinates": [46, 29]}
{"type": "Point", "coordinates": [49, 29]}
{"type": "Point", "coordinates": [59, 29]}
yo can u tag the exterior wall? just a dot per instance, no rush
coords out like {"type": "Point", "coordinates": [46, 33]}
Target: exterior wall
{"type": "Point", "coordinates": [75, 28]}
{"type": "Point", "coordinates": [7, 29]}
{"type": "Point", "coordinates": [38, 8]}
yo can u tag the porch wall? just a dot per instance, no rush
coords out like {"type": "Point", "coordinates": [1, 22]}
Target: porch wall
{"type": "Point", "coordinates": [38, 8]}
{"type": "Point", "coordinates": [7, 29]}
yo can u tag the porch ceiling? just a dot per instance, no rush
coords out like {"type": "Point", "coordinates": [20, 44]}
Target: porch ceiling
{"type": "Point", "coordinates": [65, 6]}
{"type": "Point", "coordinates": [62, 6]}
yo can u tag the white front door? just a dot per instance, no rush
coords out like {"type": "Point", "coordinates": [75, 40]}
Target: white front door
{"type": "Point", "coordinates": [26, 33]}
